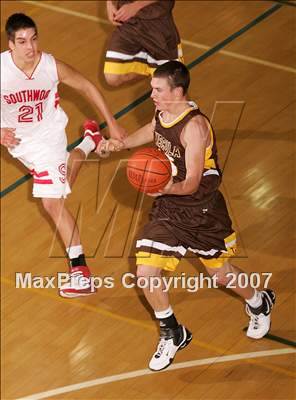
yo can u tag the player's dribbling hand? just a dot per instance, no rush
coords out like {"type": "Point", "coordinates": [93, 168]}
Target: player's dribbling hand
{"type": "Point", "coordinates": [165, 190]}
{"type": "Point", "coordinates": [8, 138]}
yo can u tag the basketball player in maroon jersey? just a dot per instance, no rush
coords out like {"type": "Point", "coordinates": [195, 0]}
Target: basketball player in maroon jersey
{"type": "Point", "coordinates": [145, 36]}
{"type": "Point", "coordinates": [190, 213]}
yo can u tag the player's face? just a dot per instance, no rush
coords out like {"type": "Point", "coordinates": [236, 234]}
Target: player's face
{"type": "Point", "coordinates": [162, 94]}
{"type": "Point", "coordinates": [25, 45]}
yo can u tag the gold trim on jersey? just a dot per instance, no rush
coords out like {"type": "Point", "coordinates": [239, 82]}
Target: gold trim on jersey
{"type": "Point", "coordinates": [210, 162]}
{"type": "Point", "coordinates": [178, 119]}
{"type": "Point", "coordinates": [169, 263]}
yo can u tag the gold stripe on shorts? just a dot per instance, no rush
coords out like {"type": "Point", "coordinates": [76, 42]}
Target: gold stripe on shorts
{"type": "Point", "coordinates": [119, 68]}
{"type": "Point", "coordinates": [230, 242]}
{"type": "Point", "coordinates": [219, 261]}
{"type": "Point", "coordinates": [169, 263]}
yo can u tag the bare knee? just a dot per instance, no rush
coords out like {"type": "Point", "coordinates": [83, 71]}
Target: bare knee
{"type": "Point", "coordinates": [52, 206]}
{"type": "Point", "coordinates": [224, 274]}
{"type": "Point", "coordinates": [146, 271]}
{"type": "Point", "coordinates": [114, 80]}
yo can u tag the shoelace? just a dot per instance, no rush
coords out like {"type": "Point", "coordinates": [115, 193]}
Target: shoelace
{"type": "Point", "coordinates": [254, 319]}
{"type": "Point", "coordinates": [160, 348]}
{"type": "Point", "coordinates": [254, 322]}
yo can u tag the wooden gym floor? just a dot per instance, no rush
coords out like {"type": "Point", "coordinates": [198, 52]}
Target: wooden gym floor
{"type": "Point", "coordinates": [98, 347]}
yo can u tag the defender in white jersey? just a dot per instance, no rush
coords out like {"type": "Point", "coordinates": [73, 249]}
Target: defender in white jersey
{"type": "Point", "coordinates": [33, 130]}
{"type": "Point", "coordinates": [30, 105]}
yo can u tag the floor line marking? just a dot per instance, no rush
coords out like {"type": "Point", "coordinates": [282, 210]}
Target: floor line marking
{"type": "Point", "coordinates": [140, 100]}
{"type": "Point", "coordinates": [238, 56]}
{"type": "Point", "coordinates": [144, 372]}
{"type": "Point", "coordinates": [63, 10]}
{"type": "Point", "coordinates": [145, 96]}
{"type": "Point", "coordinates": [114, 316]}
{"type": "Point", "coordinates": [286, 3]}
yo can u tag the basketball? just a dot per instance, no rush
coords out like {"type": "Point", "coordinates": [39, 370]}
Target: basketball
{"type": "Point", "coordinates": [149, 170]}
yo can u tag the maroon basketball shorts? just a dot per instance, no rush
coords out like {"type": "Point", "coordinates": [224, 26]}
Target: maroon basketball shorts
{"type": "Point", "coordinates": [204, 229]}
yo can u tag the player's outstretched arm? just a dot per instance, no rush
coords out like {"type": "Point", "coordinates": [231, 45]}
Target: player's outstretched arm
{"type": "Point", "coordinates": [142, 136]}
{"type": "Point", "coordinates": [76, 80]}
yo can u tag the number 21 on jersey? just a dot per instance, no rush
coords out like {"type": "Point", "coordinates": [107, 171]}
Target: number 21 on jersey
{"type": "Point", "coordinates": [29, 113]}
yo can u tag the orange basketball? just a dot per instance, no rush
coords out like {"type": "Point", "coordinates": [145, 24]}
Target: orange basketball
{"type": "Point", "coordinates": [149, 170]}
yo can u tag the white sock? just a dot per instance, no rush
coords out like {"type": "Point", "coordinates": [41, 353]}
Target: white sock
{"type": "Point", "coordinates": [164, 314]}
{"type": "Point", "coordinates": [256, 300]}
{"type": "Point", "coordinates": [87, 145]}
{"type": "Point", "coordinates": [74, 251]}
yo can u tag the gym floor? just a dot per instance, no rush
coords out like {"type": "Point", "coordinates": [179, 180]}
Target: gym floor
{"type": "Point", "coordinates": [99, 347]}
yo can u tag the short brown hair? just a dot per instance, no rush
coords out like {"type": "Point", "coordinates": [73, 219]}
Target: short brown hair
{"type": "Point", "coordinates": [176, 73]}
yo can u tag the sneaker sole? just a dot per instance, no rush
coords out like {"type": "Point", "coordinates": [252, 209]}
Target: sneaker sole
{"type": "Point", "coordinates": [71, 295]}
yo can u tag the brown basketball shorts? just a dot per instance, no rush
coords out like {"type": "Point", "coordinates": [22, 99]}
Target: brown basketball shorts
{"type": "Point", "coordinates": [141, 46]}
{"type": "Point", "coordinates": [203, 229]}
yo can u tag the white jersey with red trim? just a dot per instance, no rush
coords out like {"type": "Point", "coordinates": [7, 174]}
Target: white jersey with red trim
{"type": "Point", "coordinates": [31, 105]}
